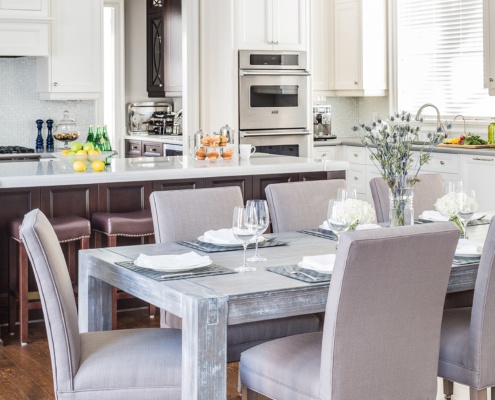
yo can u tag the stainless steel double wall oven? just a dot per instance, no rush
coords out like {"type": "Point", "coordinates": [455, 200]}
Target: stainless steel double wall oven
{"type": "Point", "coordinates": [274, 101]}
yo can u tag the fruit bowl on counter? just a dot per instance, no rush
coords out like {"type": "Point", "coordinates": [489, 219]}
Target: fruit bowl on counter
{"type": "Point", "coordinates": [80, 161]}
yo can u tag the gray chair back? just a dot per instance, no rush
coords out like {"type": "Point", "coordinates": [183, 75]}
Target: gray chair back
{"type": "Point", "coordinates": [300, 205]}
{"type": "Point", "coordinates": [482, 342]}
{"type": "Point", "coordinates": [382, 328]}
{"type": "Point", "coordinates": [57, 297]}
{"type": "Point", "coordinates": [426, 192]}
{"type": "Point", "coordinates": [187, 214]}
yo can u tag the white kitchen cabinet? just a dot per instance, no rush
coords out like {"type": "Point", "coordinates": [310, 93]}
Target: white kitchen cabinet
{"type": "Point", "coordinates": [478, 173]}
{"type": "Point", "coordinates": [24, 28]}
{"type": "Point", "coordinates": [272, 24]}
{"type": "Point", "coordinates": [322, 45]}
{"type": "Point", "coordinates": [73, 70]}
{"type": "Point", "coordinates": [447, 164]}
{"type": "Point", "coordinates": [325, 153]}
{"type": "Point", "coordinates": [356, 174]}
{"type": "Point", "coordinates": [489, 45]}
{"type": "Point", "coordinates": [357, 49]}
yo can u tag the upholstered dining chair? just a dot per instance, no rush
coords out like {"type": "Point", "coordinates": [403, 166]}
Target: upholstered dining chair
{"type": "Point", "coordinates": [382, 328]}
{"type": "Point", "coordinates": [426, 192]}
{"type": "Point", "coordinates": [300, 205]}
{"type": "Point", "coordinates": [122, 364]}
{"type": "Point", "coordinates": [467, 342]}
{"type": "Point", "coordinates": [187, 214]}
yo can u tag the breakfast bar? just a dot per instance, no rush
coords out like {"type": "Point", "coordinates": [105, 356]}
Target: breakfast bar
{"type": "Point", "coordinates": [125, 186]}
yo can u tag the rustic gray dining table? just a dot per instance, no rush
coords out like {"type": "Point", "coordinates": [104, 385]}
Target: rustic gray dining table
{"type": "Point", "coordinates": [208, 304]}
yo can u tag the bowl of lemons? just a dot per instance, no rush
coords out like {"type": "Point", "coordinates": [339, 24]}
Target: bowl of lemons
{"type": "Point", "coordinates": [81, 157]}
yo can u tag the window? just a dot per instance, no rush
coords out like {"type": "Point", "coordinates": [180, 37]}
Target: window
{"type": "Point", "coordinates": [440, 57]}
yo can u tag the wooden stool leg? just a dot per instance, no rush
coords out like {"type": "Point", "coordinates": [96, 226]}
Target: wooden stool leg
{"type": "Point", "coordinates": [72, 261]}
{"type": "Point", "coordinates": [84, 243]}
{"type": "Point", "coordinates": [97, 239]}
{"type": "Point", "coordinates": [23, 293]}
{"type": "Point", "coordinates": [13, 287]}
{"type": "Point", "coordinates": [448, 388]}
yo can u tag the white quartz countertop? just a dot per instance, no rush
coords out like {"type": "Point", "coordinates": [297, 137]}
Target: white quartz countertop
{"type": "Point", "coordinates": [56, 173]}
{"type": "Point", "coordinates": [170, 139]}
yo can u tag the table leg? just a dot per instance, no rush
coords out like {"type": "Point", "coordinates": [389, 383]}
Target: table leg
{"type": "Point", "coordinates": [94, 298]}
{"type": "Point", "coordinates": [204, 347]}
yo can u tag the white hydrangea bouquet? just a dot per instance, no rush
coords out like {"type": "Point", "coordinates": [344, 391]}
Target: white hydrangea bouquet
{"type": "Point", "coordinates": [449, 206]}
{"type": "Point", "coordinates": [355, 212]}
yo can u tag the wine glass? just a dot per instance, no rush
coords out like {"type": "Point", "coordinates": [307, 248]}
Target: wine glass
{"type": "Point", "coordinates": [344, 194]}
{"type": "Point", "coordinates": [244, 228]}
{"type": "Point", "coordinates": [336, 218]}
{"type": "Point", "coordinates": [453, 187]}
{"type": "Point", "coordinates": [467, 206]}
{"type": "Point", "coordinates": [261, 209]}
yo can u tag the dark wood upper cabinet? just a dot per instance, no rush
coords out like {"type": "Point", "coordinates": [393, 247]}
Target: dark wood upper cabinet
{"type": "Point", "coordinates": [164, 48]}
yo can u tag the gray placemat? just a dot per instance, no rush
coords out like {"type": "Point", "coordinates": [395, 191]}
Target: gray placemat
{"type": "Point", "coordinates": [318, 276]}
{"type": "Point", "coordinates": [320, 233]}
{"type": "Point", "coordinates": [212, 248]}
{"type": "Point", "coordinates": [211, 269]}
{"type": "Point", "coordinates": [458, 260]}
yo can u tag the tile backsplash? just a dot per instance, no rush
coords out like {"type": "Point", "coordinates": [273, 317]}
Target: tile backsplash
{"type": "Point", "coordinates": [20, 105]}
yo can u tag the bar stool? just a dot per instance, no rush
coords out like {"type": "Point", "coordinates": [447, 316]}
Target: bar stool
{"type": "Point", "coordinates": [127, 224]}
{"type": "Point", "coordinates": [70, 230]}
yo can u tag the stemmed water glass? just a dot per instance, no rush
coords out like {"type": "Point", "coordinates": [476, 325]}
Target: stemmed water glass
{"type": "Point", "coordinates": [261, 209]}
{"type": "Point", "coordinates": [344, 194]}
{"type": "Point", "coordinates": [244, 228]}
{"type": "Point", "coordinates": [335, 218]}
{"type": "Point", "coordinates": [467, 206]}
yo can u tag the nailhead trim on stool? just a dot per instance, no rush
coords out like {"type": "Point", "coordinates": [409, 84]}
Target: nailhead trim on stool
{"type": "Point", "coordinates": [129, 224]}
{"type": "Point", "coordinates": [69, 229]}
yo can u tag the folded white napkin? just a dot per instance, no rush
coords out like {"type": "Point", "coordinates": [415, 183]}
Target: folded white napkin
{"type": "Point", "coordinates": [466, 247]}
{"type": "Point", "coordinates": [224, 236]}
{"type": "Point", "coordinates": [433, 215]}
{"type": "Point", "coordinates": [323, 263]}
{"type": "Point", "coordinates": [360, 227]}
{"type": "Point", "coordinates": [172, 262]}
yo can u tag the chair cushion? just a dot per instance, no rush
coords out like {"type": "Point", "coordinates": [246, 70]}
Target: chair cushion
{"type": "Point", "coordinates": [67, 228]}
{"type": "Point", "coordinates": [244, 336]}
{"type": "Point", "coordinates": [454, 346]}
{"type": "Point", "coordinates": [136, 223]}
{"type": "Point", "coordinates": [287, 368]}
{"type": "Point", "coordinates": [131, 364]}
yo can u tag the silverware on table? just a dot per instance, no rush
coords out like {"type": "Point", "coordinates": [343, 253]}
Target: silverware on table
{"type": "Point", "coordinates": [291, 270]}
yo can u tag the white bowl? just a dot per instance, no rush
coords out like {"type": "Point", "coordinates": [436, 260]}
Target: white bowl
{"type": "Point", "coordinates": [86, 158]}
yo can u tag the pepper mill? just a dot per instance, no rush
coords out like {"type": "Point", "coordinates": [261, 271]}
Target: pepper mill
{"type": "Point", "coordinates": [49, 138]}
{"type": "Point", "coordinates": [39, 138]}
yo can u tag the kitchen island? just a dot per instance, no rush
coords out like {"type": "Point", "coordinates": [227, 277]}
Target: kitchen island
{"type": "Point", "coordinates": [52, 186]}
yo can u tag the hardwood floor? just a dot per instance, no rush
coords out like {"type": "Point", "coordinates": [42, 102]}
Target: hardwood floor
{"type": "Point", "coordinates": [26, 372]}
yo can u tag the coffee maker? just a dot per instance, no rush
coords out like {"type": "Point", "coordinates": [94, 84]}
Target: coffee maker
{"type": "Point", "coordinates": [322, 123]}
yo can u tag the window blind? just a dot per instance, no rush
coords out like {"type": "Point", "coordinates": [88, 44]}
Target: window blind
{"type": "Point", "coordinates": [440, 57]}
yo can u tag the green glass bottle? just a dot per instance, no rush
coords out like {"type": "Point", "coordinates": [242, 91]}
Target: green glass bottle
{"type": "Point", "coordinates": [491, 131]}
{"type": "Point", "coordinates": [91, 135]}
{"type": "Point", "coordinates": [106, 144]}
{"type": "Point", "coordinates": [99, 139]}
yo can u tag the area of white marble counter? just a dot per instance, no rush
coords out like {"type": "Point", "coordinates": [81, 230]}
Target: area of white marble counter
{"type": "Point", "coordinates": [171, 139]}
{"type": "Point", "coordinates": [57, 173]}
{"type": "Point", "coordinates": [451, 150]}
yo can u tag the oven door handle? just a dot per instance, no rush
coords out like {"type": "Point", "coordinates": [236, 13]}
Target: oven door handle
{"type": "Point", "coordinates": [244, 72]}
{"type": "Point", "coordinates": [273, 133]}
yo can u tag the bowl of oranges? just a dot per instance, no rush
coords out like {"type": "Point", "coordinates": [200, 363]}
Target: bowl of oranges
{"type": "Point", "coordinates": [81, 157]}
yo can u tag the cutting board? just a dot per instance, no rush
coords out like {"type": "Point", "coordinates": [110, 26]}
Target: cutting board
{"type": "Point", "coordinates": [467, 146]}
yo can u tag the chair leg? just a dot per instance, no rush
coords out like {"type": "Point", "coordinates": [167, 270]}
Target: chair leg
{"type": "Point", "coordinates": [13, 288]}
{"type": "Point", "coordinates": [114, 308]}
{"type": "Point", "coordinates": [492, 393]}
{"type": "Point", "coordinates": [478, 394]}
{"type": "Point", "coordinates": [448, 388]}
{"type": "Point", "coordinates": [248, 394]}
{"type": "Point", "coordinates": [23, 293]}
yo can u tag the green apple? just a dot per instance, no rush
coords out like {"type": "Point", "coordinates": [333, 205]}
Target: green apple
{"type": "Point", "coordinates": [76, 146]}
{"type": "Point", "coordinates": [88, 146]}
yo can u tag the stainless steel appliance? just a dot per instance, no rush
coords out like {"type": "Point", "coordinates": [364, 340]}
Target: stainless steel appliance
{"type": "Point", "coordinates": [274, 100]}
{"type": "Point", "coordinates": [18, 153]}
{"type": "Point", "coordinates": [322, 123]}
{"type": "Point", "coordinates": [144, 117]}
{"type": "Point", "coordinates": [273, 90]}
{"type": "Point", "coordinates": [170, 149]}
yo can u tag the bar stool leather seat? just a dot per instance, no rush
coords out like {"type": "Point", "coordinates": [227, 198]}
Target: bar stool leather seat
{"type": "Point", "coordinates": [129, 224]}
{"type": "Point", "coordinates": [69, 229]}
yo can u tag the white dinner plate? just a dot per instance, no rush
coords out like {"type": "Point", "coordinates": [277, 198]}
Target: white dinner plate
{"type": "Point", "coordinates": [205, 240]}
{"type": "Point", "coordinates": [319, 270]}
{"type": "Point", "coordinates": [180, 269]}
{"type": "Point", "coordinates": [468, 248]}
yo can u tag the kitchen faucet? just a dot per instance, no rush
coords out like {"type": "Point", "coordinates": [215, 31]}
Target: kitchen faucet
{"type": "Point", "coordinates": [439, 124]}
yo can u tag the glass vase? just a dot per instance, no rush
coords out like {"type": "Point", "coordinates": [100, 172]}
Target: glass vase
{"type": "Point", "coordinates": [401, 211]}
